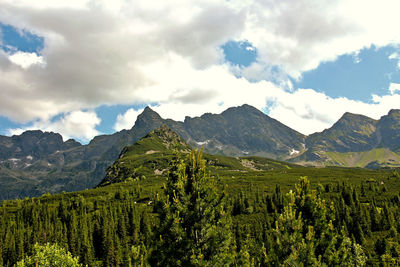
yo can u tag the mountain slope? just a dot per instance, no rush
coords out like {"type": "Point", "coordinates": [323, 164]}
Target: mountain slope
{"type": "Point", "coordinates": [351, 132]}
{"type": "Point", "coordinates": [150, 157]}
{"type": "Point", "coordinates": [356, 141]}
{"type": "Point", "coordinates": [389, 130]}
{"type": "Point", "coordinates": [242, 131]}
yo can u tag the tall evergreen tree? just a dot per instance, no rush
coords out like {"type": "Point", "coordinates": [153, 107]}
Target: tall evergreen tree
{"type": "Point", "coordinates": [195, 226]}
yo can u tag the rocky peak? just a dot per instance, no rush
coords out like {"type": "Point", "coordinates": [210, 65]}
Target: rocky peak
{"type": "Point", "coordinates": [352, 132]}
{"type": "Point", "coordinates": [148, 118]}
{"type": "Point", "coordinates": [148, 112]}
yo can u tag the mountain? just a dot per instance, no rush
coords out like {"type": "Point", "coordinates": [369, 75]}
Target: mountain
{"type": "Point", "coordinates": [33, 144]}
{"type": "Point", "coordinates": [239, 131]}
{"type": "Point", "coordinates": [150, 157]}
{"type": "Point", "coordinates": [35, 162]}
{"type": "Point", "coordinates": [356, 141]}
{"type": "Point", "coordinates": [243, 131]}
{"type": "Point", "coordinates": [389, 130]}
{"type": "Point", "coordinates": [351, 132]}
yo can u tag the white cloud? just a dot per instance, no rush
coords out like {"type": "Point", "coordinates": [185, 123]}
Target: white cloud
{"type": "Point", "coordinates": [308, 111]}
{"type": "Point", "coordinates": [394, 87]}
{"type": "Point", "coordinates": [25, 60]}
{"type": "Point", "coordinates": [79, 125]}
{"type": "Point", "coordinates": [127, 120]}
{"type": "Point", "coordinates": [395, 56]}
{"type": "Point", "coordinates": [168, 52]}
{"type": "Point", "coordinates": [386, 102]}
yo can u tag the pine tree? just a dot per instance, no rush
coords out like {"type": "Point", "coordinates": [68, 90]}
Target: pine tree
{"type": "Point", "coordinates": [291, 247]}
{"type": "Point", "coordinates": [195, 226]}
{"type": "Point", "coordinates": [305, 234]}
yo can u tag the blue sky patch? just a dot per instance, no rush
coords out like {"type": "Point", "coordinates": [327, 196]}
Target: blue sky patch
{"type": "Point", "coordinates": [16, 40]}
{"type": "Point", "coordinates": [109, 114]}
{"type": "Point", "coordinates": [240, 53]}
{"type": "Point", "coordinates": [6, 124]}
{"type": "Point", "coordinates": [371, 72]}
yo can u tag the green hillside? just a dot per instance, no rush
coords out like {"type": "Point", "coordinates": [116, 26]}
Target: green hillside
{"type": "Point", "coordinates": [151, 155]}
{"type": "Point", "coordinates": [148, 157]}
{"type": "Point", "coordinates": [375, 158]}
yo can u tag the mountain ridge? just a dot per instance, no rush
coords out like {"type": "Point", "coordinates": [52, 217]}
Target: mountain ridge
{"type": "Point", "coordinates": [352, 134]}
{"type": "Point", "coordinates": [42, 162]}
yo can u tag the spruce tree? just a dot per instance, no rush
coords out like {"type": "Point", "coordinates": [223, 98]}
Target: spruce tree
{"type": "Point", "coordinates": [195, 226]}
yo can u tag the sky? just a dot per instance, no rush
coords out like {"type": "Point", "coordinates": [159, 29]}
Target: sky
{"type": "Point", "coordinates": [88, 67]}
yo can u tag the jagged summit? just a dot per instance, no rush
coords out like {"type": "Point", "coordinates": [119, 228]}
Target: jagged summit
{"type": "Point", "coordinates": [148, 112]}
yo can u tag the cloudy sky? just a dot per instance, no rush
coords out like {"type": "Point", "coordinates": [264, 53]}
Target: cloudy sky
{"type": "Point", "coordinates": [83, 68]}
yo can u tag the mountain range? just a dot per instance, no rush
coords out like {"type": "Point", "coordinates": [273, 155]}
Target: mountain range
{"type": "Point", "coordinates": [37, 162]}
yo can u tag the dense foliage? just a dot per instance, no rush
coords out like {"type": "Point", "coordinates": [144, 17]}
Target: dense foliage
{"type": "Point", "coordinates": [49, 255]}
{"type": "Point", "coordinates": [197, 219]}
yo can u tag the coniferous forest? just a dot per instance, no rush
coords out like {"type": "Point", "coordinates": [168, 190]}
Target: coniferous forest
{"type": "Point", "coordinates": [192, 217]}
